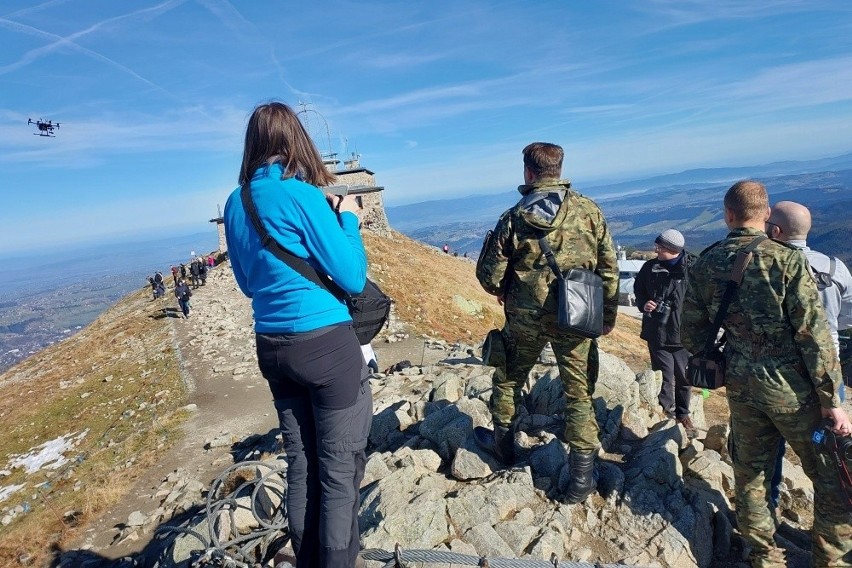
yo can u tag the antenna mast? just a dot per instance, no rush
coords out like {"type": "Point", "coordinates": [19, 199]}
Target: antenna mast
{"type": "Point", "coordinates": [313, 126]}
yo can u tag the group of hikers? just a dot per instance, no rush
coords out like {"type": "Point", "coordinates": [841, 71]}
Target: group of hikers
{"type": "Point", "coordinates": [198, 269]}
{"type": "Point", "coordinates": [783, 376]}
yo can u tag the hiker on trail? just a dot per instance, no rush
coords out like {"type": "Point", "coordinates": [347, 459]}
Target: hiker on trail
{"type": "Point", "coordinates": [175, 274]}
{"type": "Point", "coordinates": [159, 286]}
{"type": "Point", "coordinates": [154, 287]}
{"type": "Point", "coordinates": [512, 266]}
{"type": "Point", "coordinates": [781, 375]}
{"type": "Point", "coordinates": [659, 288]}
{"type": "Point", "coordinates": [202, 271]}
{"type": "Point", "coordinates": [790, 222]}
{"type": "Point", "coordinates": [183, 270]}
{"type": "Point", "coordinates": [195, 271]}
{"type": "Point", "coordinates": [211, 261]}
{"type": "Point", "coordinates": [306, 347]}
{"type": "Point", "coordinates": [183, 294]}
{"type": "Point", "coordinates": [446, 248]}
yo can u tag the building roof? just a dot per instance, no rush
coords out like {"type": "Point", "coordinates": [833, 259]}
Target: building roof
{"type": "Point", "coordinates": [353, 171]}
{"type": "Point", "coordinates": [354, 188]}
{"type": "Point", "coordinates": [630, 265]}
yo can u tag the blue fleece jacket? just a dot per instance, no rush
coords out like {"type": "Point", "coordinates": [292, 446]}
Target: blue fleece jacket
{"type": "Point", "coordinates": [297, 215]}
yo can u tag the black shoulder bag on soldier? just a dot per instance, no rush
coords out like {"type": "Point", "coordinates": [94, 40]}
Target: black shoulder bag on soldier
{"type": "Point", "coordinates": [369, 310]}
{"type": "Point", "coordinates": [706, 370]}
{"type": "Point", "coordinates": [580, 296]}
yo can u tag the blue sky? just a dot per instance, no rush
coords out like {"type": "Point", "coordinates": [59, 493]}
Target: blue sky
{"type": "Point", "coordinates": [438, 97]}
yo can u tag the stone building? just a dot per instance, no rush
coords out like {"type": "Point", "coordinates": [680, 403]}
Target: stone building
{"type": "Point", "coordinates": [220, 229]}
{"type": "Point", "coordinates": [362, 182]}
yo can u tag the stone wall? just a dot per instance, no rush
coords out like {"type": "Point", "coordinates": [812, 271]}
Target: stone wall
{"type": "Point", "coordinates": [373, 217]}
{"type": "Point", "coordinates": [223, 244]}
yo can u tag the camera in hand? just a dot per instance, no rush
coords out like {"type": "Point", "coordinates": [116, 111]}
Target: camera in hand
{"type": "Point", "coordinates": [347, 189]}
{"type": "Point", "coordinates": [661, 312]}
{"type": "Point", "coordinates": [839, 450]}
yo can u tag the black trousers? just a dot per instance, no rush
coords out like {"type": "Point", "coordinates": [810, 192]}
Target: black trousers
{"type": "Point", "coordinates": [325, 408]}
{"type": "Point", "coordinates": [676, 391]}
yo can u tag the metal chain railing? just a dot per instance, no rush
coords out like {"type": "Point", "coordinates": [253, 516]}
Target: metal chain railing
{"type": "Point", "coordinates": [242, 550]}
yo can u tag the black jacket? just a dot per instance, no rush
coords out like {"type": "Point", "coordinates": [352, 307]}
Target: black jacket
{"type": "Point", "coordinates": [182, 292]}
{"type": "Point", "coordinates": [656, 281]}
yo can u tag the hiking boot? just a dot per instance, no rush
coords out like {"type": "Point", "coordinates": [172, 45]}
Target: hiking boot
{"type": "Point", "coordinates": [691, 430]}
{"type": "Point", "coordinates": [500, 442]}
{"type": "Point", "coordinates": [582, 482]}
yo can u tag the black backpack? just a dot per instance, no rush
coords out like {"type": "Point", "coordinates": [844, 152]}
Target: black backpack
{"type": "Point", "coordinates": [369, 310]}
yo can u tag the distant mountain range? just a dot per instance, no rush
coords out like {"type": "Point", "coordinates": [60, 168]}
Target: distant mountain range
{"type": "Point", "coordinates": [637, 211]}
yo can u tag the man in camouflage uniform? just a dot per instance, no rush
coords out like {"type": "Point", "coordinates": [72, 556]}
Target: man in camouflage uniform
{"type": "Point", "coordinates": [512, 267]}
{"type": "Point", "coordinates": [782, 374]}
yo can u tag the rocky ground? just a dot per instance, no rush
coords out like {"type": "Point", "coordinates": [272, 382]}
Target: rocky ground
{"type": "Point", "coordinates": [663, 500]}
{"type": "Point", "coordinates": [230, 403]}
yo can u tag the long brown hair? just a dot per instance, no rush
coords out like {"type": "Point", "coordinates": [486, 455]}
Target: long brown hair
{"type": "Point", "coordinates": [274, 131]}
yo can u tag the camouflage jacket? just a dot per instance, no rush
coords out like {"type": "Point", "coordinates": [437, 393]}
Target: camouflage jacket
{"type": "Point", "coordinates": [512, 265]}
{"type": "Point", "coordinates": [779, 352]}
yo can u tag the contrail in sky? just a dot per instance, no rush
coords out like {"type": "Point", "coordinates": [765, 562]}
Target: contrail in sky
{"type": "Point", "coordinates": [69, 42]}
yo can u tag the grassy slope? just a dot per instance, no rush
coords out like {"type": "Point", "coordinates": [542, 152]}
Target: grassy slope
{"type": "Point", "coordinates": [119, 380]}
{"type": "Point", "coordinates": [424, 282]}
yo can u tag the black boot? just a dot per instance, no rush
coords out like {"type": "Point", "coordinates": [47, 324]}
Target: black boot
{"type": "Point", "coordinates": [500, 442]}
{"type": "Point", "coordinates": [582, 476]}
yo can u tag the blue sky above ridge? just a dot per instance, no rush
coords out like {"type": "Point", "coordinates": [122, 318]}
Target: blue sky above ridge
{"type": "Point", "coordinates": [439, 97]}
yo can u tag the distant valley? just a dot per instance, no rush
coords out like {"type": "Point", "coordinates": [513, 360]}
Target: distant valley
{"type": "Point", "coordinates": [47, 297]}
{"type": "Point", "coordinates": [637, 211]}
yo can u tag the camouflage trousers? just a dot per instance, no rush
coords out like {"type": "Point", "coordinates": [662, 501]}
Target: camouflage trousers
{"type": "Point", "coordinates": [577, 358]}
{"type": "Point", "coordinates": [755, 436]}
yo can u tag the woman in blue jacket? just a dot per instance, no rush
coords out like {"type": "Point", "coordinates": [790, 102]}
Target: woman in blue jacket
{"type": "Point", "coordinates": [306, 348]}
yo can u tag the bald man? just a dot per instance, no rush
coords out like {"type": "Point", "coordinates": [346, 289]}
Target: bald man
{"type": "Point", "coordinates": [790, 222]}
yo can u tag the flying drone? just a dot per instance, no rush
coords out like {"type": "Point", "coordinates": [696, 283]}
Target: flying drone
{"type": "Point", "coordinates": [45, 127]}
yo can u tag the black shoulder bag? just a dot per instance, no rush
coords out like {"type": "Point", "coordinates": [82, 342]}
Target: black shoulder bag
{"type": "Point", "coordinates": [369, 310]}
{"type": "Point", "coordinates": [706, 370]}
{"type": "Point", "coordinates": [580, 296]}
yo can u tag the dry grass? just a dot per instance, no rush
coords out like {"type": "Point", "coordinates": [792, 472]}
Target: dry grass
{"type": "Point", "coordinates": [426, 285]}
{"type": "Point", "coordinates": [118, 381]}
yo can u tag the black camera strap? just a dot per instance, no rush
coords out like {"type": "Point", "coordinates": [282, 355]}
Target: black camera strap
{"type": "Point", "coordinates": [298, 264]}
{"type": "Point", "coordinates": [743, 259]}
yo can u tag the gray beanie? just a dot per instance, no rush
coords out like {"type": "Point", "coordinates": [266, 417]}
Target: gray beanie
{"type": "Point", "coordinates": [671, 239]}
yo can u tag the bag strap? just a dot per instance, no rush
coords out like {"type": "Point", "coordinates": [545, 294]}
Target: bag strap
{"type": "Point", "coordinates": [743, 259]}
{"type": "Point", "coordinates": [298, 264]}
{"type": "Point", "coordinates": [548, 254]}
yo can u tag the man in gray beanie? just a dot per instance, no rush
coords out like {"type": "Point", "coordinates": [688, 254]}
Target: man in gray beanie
{"type": "Point", "coordinates": [659, 288]}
